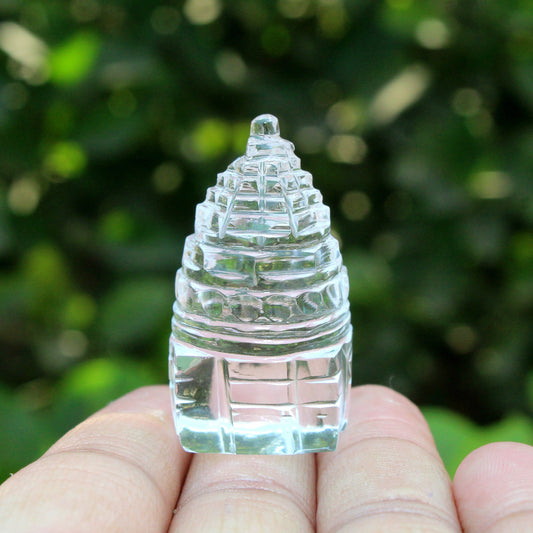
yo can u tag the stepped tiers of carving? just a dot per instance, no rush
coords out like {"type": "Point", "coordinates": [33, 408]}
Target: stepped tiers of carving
{"type": "Point", "coordinates": [264, 199]}
{"type": "Point", "coordinates": [262, 287]}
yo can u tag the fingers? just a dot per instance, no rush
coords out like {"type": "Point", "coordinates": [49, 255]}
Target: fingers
{"type": "Point", "coordinates": [120, 470]}
{"type": "Point", "coordinates": [494, 489]}
{"type": "Point", "coordinates": [266, 494]}
{"type": "Point", "coordinates": [386, 474]}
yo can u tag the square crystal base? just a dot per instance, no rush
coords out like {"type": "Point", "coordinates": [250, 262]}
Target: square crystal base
{"type": "Point", "coordinates": [260, 405]}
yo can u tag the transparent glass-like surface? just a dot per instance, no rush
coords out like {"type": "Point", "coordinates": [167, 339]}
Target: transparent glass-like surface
{"type": "Point", "coordinates": [261, 344]}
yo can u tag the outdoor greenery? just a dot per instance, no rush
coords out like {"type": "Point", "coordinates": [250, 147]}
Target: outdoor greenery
{"type": "Point", "coordinates": [414, 117]}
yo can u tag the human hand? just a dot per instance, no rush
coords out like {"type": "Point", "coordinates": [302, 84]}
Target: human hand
{"type": "Point", "coordinates": [122, 470]}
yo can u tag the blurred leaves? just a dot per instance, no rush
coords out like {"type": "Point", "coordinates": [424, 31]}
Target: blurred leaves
{"type": "Point", "coordinates": [24, 437]}
{"type": "Point", "coordinates": [65, 160]}
{"type": "Point", "coordinates": [82, 391]}
{"type": "Point", "coordinates": [94, 384]}
{"type": "Point", "coordinates": [456, 436]}
{"type": "Point", "coordinates": [73, 60]}
{"type": "Point", "coordinates": [414, 118]}
{"type": "Point", "coordinates": [370, 278]}
{"type": "Point", "coordinates": [210, 138]}
{"type": "Point", "coordinates": [134, 310]}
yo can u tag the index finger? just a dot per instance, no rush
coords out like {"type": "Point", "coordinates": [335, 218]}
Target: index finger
{"type": "Point", "coordinates": [119, 470]}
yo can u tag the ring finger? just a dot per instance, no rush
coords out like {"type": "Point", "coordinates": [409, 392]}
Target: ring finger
{"type": "Point", "coordinates": [387, 474]}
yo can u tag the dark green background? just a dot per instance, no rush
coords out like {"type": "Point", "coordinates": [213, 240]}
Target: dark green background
{"type": "Point", "coordinates": [413, 117]}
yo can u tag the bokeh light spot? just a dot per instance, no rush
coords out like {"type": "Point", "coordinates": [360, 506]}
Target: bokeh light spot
{"type": "Point", "coordinates": [117, 226]}
{"type": "Point", "coordinates": [23, 196]}
{"type": "Point", "coordinates": [65, 160]}
{"type": "Point", "coordinates": [240, 133]}
{"type": "Point", "coordinates": [461, 338]}
{"type": "Point", "coordinates": [491, 362]}
{"type": "Point", "coordinates": [332, 18]}
{"type": "Point", "coordinates": [355, 205]}
{"type": "Point", "coordinates": [210, 138]}
{"type": "Point", "coordinates": [347, 149]}
{"type": "Point", "coordinates": [432, 34]}
{"type": "Point", "coordinates": [72, 343]}
{"type": "Point", "coordinates": [167, 178]}
{"type": "Point", "coordinates": [398, 94]}
{"type": "Point", "coordinates": [230, 67]}
{"type": "Point", "coordinates": [294, 9]}
{"type": "Point", "coordinates": [73, 60]}
{"type": "Point", "coordinates": [343, 116]}
{"type": "Point", "coordinates": [79, 312]}
{"type": "Point", "coordinates": [202, 11]}
{"type": "Point", "coordinates": [491, 185]}
{"type": "Point", "coordinates": [46, 271]}
{"type": "Point", "coordinates": [28, 53]}
{"type": "Point", "coordinates": [467, 102]}
{"type": "Point", "coordinates": [481, 124]}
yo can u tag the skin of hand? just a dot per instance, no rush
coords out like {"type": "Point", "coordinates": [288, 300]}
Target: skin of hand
{"type": "Point", "coordinates": [123, 470]}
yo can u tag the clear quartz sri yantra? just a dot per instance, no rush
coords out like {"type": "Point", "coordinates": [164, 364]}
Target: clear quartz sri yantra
{"type": "Point", "coordinates": [261, 343]}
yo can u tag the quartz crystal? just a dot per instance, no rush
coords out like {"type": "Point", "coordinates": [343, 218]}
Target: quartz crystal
{"type": "Point", "coordinates": [261, 343]}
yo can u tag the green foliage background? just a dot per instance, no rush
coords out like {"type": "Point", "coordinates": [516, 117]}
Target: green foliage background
{"type": "Point", "coordinates": [414, 118]}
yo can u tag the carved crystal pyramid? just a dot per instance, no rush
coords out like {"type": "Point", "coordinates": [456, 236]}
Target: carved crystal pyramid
{"type": "Point", "coordinates": [261, 343]}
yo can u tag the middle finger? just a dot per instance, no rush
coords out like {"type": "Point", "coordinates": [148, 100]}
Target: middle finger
{"type": "Point", "coordinates": [251, 493]}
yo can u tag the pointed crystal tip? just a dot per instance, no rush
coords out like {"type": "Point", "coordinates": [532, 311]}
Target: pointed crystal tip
{"type": "Point", "coordinates": [265, 125]}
